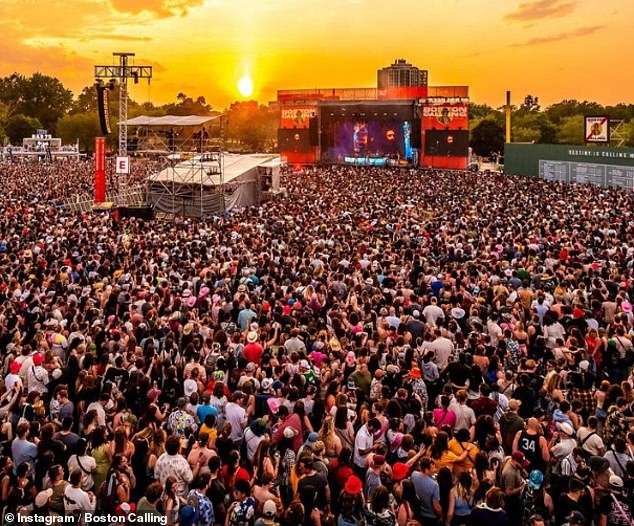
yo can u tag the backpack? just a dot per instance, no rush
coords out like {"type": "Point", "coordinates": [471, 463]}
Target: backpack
{"type": "Point", "coordinates": [108, 493]}
{"type": "Point", "coordinates": [190, 512]}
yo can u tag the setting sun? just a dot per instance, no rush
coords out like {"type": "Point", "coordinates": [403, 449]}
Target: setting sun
{"type": "Point", "coordinates": [245, 85]}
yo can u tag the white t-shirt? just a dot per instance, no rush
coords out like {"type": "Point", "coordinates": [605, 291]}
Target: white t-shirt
{"type": "Point", "coordinates": [76, 499]}
{"type": "Point", "coordinates": [101, 412]}
{"type": "Point", "coordinates": [363, 440]}
{"type": "Point", "coordinates": [593, 444]}
{"type": "Point", "coordinates": [443, 349]}
{"type": "Point", "coordinates": [236, 416]}
{"type": "Point", "coordinates": [87, 467]}
{"type": "Point", "coordinates": [189, 387]}
{"type": "Point", "coordinates": [432, 313]}
{"type": "Point", "coordinates": [563, 448]}
{"type": "Point", "coordinates": [465, 417]}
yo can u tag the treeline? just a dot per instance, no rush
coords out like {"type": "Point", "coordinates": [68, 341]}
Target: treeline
{"type": "Point", "coordinates": [41, 101]}
{"type": "Point", "coordinates": [560, 123]}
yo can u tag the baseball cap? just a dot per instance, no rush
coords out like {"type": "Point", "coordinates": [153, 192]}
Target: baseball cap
{"type": "Point", "coordinates": [290, 432]}
{"type": "Point", "coordinates": [519, 457]}
{"type": "Point", "coordinates": [353, 485]}
{"type": "Point", "coordinates": [566, 428]}
{"type": "Point", "coordinates": [616, 481]}
{"type": "Point", "coordinates": [312, 438]}
{"type": "Point", "coordinates": [584, 365]}
{"type": "Point", "coordinates": [378, 460]}
{"type": "Point", "coordinates": [536, 479]}
{"type": "Point", "coordinates": [269, 509]}
{"type": "Point", "coordinates": [399, 471]}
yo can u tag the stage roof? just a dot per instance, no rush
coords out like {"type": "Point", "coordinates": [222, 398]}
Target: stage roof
{"type": "Point", "coordinates": [235, 165]}
{"type": "Point", "coordinates": [171, 120]}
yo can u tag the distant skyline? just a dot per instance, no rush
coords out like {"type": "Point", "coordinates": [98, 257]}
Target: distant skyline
{"type": "Point", "coordinates": [552, 49]}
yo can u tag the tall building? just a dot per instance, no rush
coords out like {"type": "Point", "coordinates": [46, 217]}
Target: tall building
{"type": "Point", "coordinates": [401, 74]}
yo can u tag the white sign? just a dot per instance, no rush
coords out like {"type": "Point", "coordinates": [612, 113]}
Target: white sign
{"type": "Point", "coordinates": [597, 129]}
{"type": "Point", "coordinates": [123, 165]}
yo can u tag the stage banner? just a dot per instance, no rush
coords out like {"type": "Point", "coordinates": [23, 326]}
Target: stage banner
{"type": "Point", "coordinates": [446, 116]}
{"type": "Point", "coordinates": [297, 117]}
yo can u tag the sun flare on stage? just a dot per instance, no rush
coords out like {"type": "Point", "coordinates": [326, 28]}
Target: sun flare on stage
{"type": "Point", "coordinates": [245, 85]}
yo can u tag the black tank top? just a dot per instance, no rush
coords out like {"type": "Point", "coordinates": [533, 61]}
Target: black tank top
{"type": "Point", "coordinates": [529, 445]}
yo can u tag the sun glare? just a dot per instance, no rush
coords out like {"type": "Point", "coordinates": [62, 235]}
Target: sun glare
{"type": "Point", "coordinates": [245, 85]}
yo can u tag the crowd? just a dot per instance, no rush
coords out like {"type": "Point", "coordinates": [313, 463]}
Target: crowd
{"type": "Point", "coordinates": [37, 182]}
{"type": "Point", "coordinates": [381, 347]}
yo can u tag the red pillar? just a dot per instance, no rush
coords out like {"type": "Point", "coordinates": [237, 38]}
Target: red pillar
{"type": "Point", "coordinates": [100, 169]}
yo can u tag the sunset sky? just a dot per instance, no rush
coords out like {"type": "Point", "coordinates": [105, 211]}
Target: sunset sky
{"type": "Point", "coordinates": [553, 49]}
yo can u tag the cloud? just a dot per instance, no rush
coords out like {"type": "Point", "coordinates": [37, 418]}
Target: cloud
{"type": "Point", "coordinates": [541, 9]}
{"type": "Point", "coordinates": [157, 8]}
{"type": "Point", "coordinates": [157, 67]}
{"type": "Point", "coordinates": [121, 38]}
{"type": "Point", "coordinates": [581, 32]}
{"type": "Point", "coordinates": [74, 70]}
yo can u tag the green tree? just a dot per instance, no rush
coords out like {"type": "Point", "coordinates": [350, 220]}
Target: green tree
{"type": "Point", "coordinates": [44, 98]}
{"type": "Point", "coordinates": [188, 106]}
{"type": "Point", "coordinates": [4, 117]}
{"type": "Point", "coordinates": [530, 105]}
{"type": "Point", "coordinates": [253, 125]}
{"type": "Point", "coordinates": [532, 126]}
{"type": "Point", "coordinates": [12, 92]}
{"type": "Point", "coordinates": [571, 130]}
{"type": "Point", "coordinates": [523, 134]}
{"type": "Point", "coordinates": [487, 138]}
{"type": "Point", "coordinates": [20, 126]}
{"type": "Point", "coordinates": [479, 111]}
{"type": "Point", "coordinates": [80, 126]}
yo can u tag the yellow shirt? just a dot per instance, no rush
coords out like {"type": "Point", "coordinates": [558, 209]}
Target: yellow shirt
{"type": "Point", "coordinates": [446, 460]}
{"type": "Point", "coordinates": [462, 465]}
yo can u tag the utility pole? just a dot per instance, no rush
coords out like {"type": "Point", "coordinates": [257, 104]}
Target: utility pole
{"type": "Point", "coordinates": [507, 109]}
{"type": "Point", "coordinates": [122, 72]}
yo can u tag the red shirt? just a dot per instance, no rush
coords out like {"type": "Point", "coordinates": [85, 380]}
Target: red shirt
{"type": "Point", "coordinates": [253, 352]}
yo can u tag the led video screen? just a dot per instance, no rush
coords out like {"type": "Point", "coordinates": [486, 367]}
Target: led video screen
{"type": "Point", "coordinates": [370, 130]}
{"type": "Point", "coordinates": [293, 140]}
{"type": "Point", "coordinates": [449, 143]}
{"type": "Point", "coordinates": [363, 138]}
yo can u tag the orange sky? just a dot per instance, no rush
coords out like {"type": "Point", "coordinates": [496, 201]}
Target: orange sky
{"type": "Point", "coordinates": [554, 49]}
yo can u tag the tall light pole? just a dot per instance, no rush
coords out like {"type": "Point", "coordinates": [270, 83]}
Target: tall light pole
{"type": "Point", "coordinates": [122, 72]}
{"type": "Point", "coordinates": [507, 109]}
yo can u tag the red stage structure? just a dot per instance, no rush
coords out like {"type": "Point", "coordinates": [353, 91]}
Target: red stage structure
{"type": "Point", "coordinates": [424, 126]}
{"type": "Point", "coordinates": [100, 170]}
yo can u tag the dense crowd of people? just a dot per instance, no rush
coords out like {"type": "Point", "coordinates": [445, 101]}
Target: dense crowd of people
{"type": "Point", "coordinates": [381, 347]}
{"type": "Point", "coordinates": [63, 181]}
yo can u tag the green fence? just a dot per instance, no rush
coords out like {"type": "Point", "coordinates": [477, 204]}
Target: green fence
{"type": "Point", "coordinates": [572, 164]}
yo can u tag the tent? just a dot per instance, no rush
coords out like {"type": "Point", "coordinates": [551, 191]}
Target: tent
{"type": "Point", "coordinates": [170, 133]}
{"type": "Point", "coordinates": [213, 182]}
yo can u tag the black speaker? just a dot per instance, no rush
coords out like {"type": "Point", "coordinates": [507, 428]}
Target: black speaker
{"type": "Point", "coordinates": [103, 107]}
{"type": "Point", "coordinates": [142, 212]}
{"type": "Point", "coordinates": [415, 137]}
{"type": "Point", "coordinates": [313, 129]}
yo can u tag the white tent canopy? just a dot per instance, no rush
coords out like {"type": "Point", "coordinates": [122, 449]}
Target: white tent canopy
{"type": "Point", "coordinates": [196, 188]}
{"type": "Point", "coordinates": [234, 166]}
{"type": "Point", "coordinates": [171, 120]}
